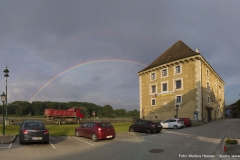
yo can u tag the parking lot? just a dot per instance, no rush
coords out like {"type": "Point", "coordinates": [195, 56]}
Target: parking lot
{"type": "Point", "coordinates": [62, 147]}
{"type": "Point", "coordinates": [168, 144]}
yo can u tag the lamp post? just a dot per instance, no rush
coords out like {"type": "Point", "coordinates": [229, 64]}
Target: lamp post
{"type": "Point", "coordinates": [3, 98]}
{"type": "Point", "coordinates": [6, 75]}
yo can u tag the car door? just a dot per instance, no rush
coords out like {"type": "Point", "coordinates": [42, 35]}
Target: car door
{"type": "Point", "coordinates": [143, 127]}
{"type": "Point", "coordinates": [137, 126]}
{"type": "Point", "coordinates": [89, 129]}
{"type": "Point", "coordinates": [165, 124]}
{"type": "Point", "coordinates": [83, 128]}
{"type": "Point", "coordinates": [172, 123]}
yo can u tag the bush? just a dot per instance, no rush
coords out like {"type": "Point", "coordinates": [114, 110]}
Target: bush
{"type": "Point", "coordinates": [231, 141]}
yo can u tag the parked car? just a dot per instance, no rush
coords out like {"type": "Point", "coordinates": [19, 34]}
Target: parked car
{"type": "Point", "coordinates": [173, 123]}
{"type": "Point", "coordinates": [146, 127]}
{"type": "Point", "coordinates": [136, 120]}
{"type": "Point", "coordinates": [96, 130]}
{"type": "Point", "coordinates": [187, 121]}
{"type": "Point", "coordinates": [33, 131]}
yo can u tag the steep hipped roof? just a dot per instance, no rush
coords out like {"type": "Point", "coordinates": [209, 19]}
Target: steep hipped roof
{"type": "Point", "coordinates": [178, 51]}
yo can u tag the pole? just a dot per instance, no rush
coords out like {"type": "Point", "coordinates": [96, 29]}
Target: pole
{"type": "Point", "coordinates": [6, 100]}
{"type": "Point", "coordinates": [3, 121]}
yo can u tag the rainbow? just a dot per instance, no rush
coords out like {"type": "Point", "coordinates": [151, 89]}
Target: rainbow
{"type": "Point", "coordinates": [80, 65]}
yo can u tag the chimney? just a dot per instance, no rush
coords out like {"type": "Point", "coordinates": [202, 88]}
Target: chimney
{"type": "Point", "coordinates": [197, 50]}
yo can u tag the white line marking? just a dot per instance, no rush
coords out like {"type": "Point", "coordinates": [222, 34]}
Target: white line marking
{"type": "Point", "coordinates": [8, 146]}
{"type": "Point", "coordinates": [84, 141]}
{"type": "Point", "coordinates": [119, 140]}
{"type": "Point", "coordinates": [52, 145]}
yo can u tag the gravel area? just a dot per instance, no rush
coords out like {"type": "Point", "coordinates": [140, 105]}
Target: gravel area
{"type": "Point", "coordinates": [7, 138]}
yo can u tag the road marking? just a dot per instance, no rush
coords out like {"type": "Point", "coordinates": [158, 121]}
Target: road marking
{"type": "Point", "coordinates": [84, 141]}
{"type": "Point", "coordinates": [10, 145]}
{"type": "Point", "coordinates": [52, 145]}
{"type": "Point", "coordinates": [119, 140]}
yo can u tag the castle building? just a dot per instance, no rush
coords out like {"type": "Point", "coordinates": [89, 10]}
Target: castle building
{"type": "Point", "coordinates": [181, 83]}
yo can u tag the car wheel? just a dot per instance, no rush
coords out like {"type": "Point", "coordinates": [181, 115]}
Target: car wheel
{"type": "Point", "coordinates": [46, 142]}
{"type": "Point", "coordinates": [175, 127]}
{"type": "Point", "coordinates": [158, 131]}
{"type": "Point", "coordinates": [94, 137]}
{"type": "Point", "coordinates": [20, 141]}
{"type": "Point", "coordinates": [131, 130]}
{"type": "Point", "coordinates": [149, 131]}
{"type": "Point", "coordinates": [76, 134]}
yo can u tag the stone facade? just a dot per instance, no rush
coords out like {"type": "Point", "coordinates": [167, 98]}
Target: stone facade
{"type": "Point", "coordinates": [187, 87]}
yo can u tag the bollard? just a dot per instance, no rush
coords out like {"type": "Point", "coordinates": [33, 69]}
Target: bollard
{"type": "Point", "coordinates": [225, 149]}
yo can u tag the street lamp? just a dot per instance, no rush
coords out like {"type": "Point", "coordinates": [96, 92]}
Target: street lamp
{"type": "Point", "coordinates": [6, 75]}
{"type": "Point", "coordinates": [3, 98]}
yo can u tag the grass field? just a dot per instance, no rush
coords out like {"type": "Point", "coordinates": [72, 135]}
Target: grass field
{"type": "Point", "coordinates": [64, 130]}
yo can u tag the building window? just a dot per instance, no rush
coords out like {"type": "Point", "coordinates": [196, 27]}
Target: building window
{"type": "Point", "coordinates": [178, 84]}
{"type": "Point", "coordinates": [164, 72]}
{"type": "Point", "coordinates": [164, 87]}
{"type": "Point", "coordinates": [153, 76]}
{"type": "Point", "coordinates": [178, 99]}
{"type": "Point", "coordinates": [208, 86]}
{"type": "Point", "coordinates": [178, 69]}
{"type": "Point", "coordinates": [208, 100]}
{"type": "Point", "coordinates": [207, 73]}
{"type": "Point", "coordinates": [153, 102]}
{"type": "Point", "coordinates": [153, 89]}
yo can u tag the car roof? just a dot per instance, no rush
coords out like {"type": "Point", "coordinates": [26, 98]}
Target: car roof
{"type": "Point", "coordinates": [31, 121]}
{"type": "Point", "coordinates": [96, 122]}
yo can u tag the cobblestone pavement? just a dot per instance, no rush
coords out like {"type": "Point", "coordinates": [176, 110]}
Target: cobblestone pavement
{"type": "Point", "coordinates": [228, 151]}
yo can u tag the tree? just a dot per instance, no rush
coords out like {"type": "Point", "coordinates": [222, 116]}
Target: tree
{"type": "Point", "coordinates": [107, 111]}
{"type": "Point", "coordinates": [120, 112]}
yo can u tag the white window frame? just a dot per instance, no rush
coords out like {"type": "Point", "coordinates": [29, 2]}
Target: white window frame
{"type": "Point", "coordinates": [174, 83]}
{"type": "Point", "coordinates": [153, 99]}
{"type": "Point", "coordinates": [150, 89]}
{"type": "Point", "coordinates": [162, 72]}
{"type": "Point", "coordinates": [177, 99]}
{"type": "Point", "coordinates": [175, 69]}
{"type": "Point", "coordinates": [153, 73]}
{"type": "Point", "coordinates": [165, 82]}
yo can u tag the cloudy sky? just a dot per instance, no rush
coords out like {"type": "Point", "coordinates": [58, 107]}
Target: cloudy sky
{"type": "Point", "coordinates": [91, 50]}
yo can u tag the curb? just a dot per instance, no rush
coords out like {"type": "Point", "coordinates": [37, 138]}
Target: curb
{"type": "Point", "coordinates": [132, 134]}
{"type": "Point", "coordinates": [15, 136]}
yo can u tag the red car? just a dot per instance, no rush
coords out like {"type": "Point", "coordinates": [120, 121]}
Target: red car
{"type": "Point", "coordinates": [96, 130]}
{"type": "Point", "coordinates": [187, 121]}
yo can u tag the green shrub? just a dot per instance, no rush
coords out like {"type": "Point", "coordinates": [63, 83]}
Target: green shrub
{"type": "Point", "coordinates": [231, 141]}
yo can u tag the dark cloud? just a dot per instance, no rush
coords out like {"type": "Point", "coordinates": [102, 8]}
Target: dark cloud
{"type": "Point", "coordinates": [41, 39]}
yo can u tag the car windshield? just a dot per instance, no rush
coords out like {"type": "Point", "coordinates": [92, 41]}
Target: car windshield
{"type": "Point", "coordinates": [33, 125]}
{"type": "Point", "coordinates": [103, 125]}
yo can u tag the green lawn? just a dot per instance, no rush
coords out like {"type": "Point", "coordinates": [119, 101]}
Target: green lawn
{"type": "Point", "coordinates": [64, 130]}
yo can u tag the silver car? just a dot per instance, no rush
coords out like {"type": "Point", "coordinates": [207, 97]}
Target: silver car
{"type": "Point", "coordinates": [173, 123]}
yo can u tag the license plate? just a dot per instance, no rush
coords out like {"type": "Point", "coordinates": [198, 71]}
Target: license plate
{"type": "Point", "coordinates": [37, 138]}
{"type": "Point", "coordinates": [109, 136]}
